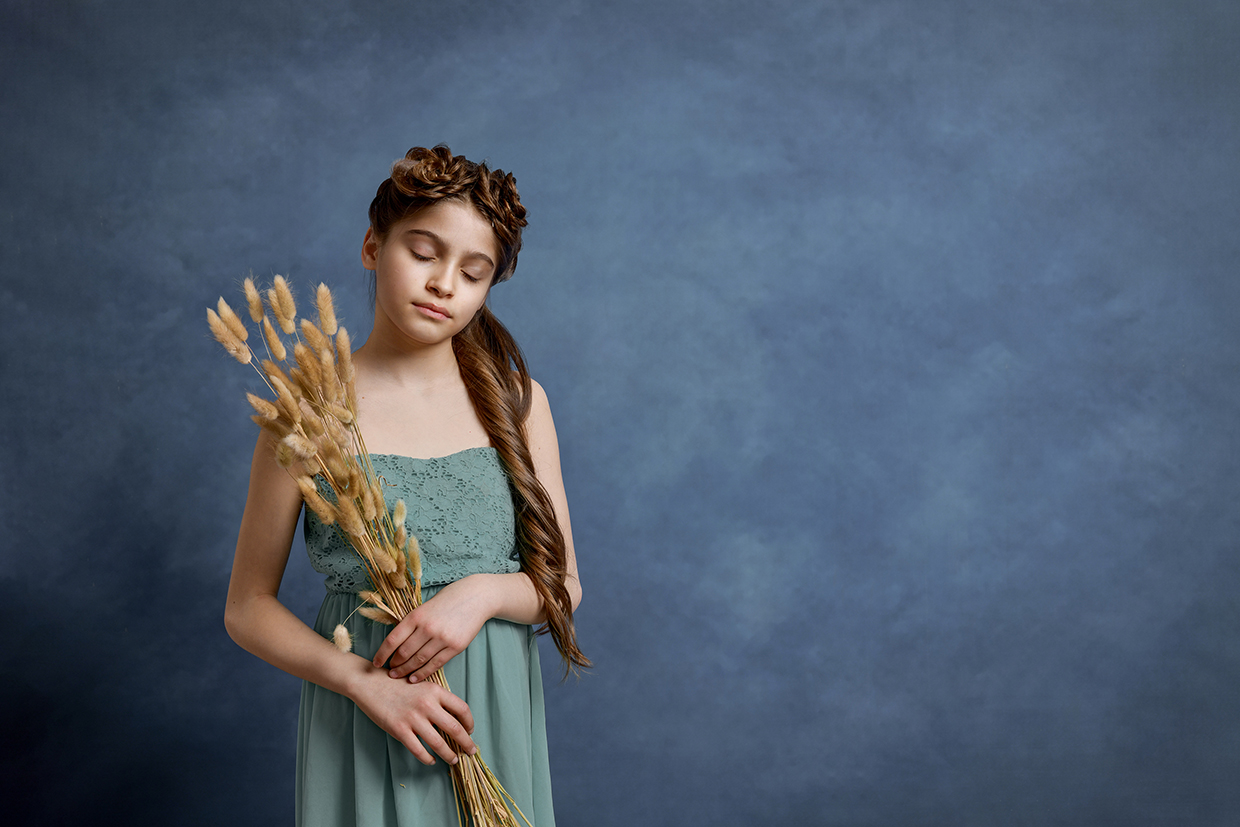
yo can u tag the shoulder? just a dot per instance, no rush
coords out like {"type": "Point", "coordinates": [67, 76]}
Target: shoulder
{"type": "Point", "coordinates": [539, 424]}
{"type": "Point", "coordinates": [538, 397]}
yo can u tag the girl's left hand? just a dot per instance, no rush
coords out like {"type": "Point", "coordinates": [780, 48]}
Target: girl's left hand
{"type": "Point", "coordinates": [435, 632]}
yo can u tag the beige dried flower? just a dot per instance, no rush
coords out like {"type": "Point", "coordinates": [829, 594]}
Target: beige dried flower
{"type": "Point", "coordinates": [235, 325]}
{"type": "Point", "coordinates": [285, 397]}
{"type": "Point", "coordinates": [280, 299]}
{"type": "Point", "coordinates": [350, 519]}
{"type": "Point", "coordinates": [331, 383]}
{"type": "Point", "coordinates": [385, 562]}
{"type": "Point", "coordinates": [352, 482]}
{"type": "Point", "coordinates": [341, 413]}
{"type": "Point", "coordinates": [327, 312]}
{"type": "Point", "coordinates": [337, 431]}
{"type": "Point", "coordinates": [344, 357]}
{"type": "Point", "coordinates": [399, 513]}
{"type": "Point", "coordinates": [299, 379]}
{"type": "Point", "coordinates": [402, 563]}
{"type": "Point", "coordinates": [302, 447]}
{"type": "Point", "coordinates": [311, 420]}
{"type": "Point", "coordinates": [276, 427]}
{"type": "Point", "coordinates": [376, 601]}
{"type": "Point", "coordinates": [254, 300]}
{"type": "Point", "coordinates": [315, 501]}
{"type": "Point", "coordinates": [284, 455]}
{"type": "Point", "coordinates": [266, 409]}
{"type": "Point", "coordinates": [333, 462]}
{"type": "Point", "coordinates": [272, 369]}
{"type": "Point", "coordinates": [314, 337]}
{"type": "Point", "coordinates": [369, 512]}
{"type": "Point", "coordinates": [342, 638]}
{"type": "Point", "coordinates": [376, 496]}
{"type": "Point", "coordinates": [273, 340]}
{"type": "Point", "coordinates": [413, 552]}
{"type": "Point", "coordinates": [368, 596]}
{"type": "Point", "coordinates": [309, 365]}
{"type": "Point", "coordinates": [377, 615]}
{"type": "Point", "coordinates": [236, 348]}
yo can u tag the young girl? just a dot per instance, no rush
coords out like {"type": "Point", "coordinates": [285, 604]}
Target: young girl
{"type": "Point", "coordinates": [463, 435]}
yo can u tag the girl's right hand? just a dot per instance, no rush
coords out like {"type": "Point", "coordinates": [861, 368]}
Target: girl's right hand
{"type": "Point", "coordinates": [409, 711]}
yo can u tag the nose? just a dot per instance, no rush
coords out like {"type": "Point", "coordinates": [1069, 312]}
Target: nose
{"type": "Point", "coordinates": [439, 281]}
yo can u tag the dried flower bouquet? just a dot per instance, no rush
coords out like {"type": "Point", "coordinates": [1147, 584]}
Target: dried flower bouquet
{"type": "Point", "coordinates": [313, 423]}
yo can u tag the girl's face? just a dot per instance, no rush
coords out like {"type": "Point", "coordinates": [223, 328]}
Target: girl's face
{"type": "Point", "coordinates": [432, 272]}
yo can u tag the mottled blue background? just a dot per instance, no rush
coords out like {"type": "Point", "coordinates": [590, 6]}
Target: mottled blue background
{"type": "Point", "coordinates": [893, 348]}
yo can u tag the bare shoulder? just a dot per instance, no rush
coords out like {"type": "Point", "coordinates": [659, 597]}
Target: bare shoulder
{"type": "Point", "coordinates": [539, 426]}
{"type": "Point", "coordinates": [538, 399]}
{"type": "Point", "coordinates": [540, 405]}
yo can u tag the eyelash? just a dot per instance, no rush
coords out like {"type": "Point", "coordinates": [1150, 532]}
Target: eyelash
{"type": "Point", "coordinates": [472, 279]}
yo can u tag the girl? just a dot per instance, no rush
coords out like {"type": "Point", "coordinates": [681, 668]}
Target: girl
{"type": "Point", "coordinates": [464, 436]}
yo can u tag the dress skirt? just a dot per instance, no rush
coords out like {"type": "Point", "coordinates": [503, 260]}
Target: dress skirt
{"type": "Point", "coordinates": [350, 773]}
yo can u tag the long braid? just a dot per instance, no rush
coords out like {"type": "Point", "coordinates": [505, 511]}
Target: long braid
{"type": "Point", "coordinates": [487, 355]}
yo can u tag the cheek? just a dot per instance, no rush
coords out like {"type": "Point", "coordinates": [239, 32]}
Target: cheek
{"type": "Point", "coordinates": [464, 318]}
{"type": "Point", "coordinates": [480, 300]}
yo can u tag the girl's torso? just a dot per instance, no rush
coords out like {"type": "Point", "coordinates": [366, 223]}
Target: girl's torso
{"type": "Point", "coordinates": [460, 510]}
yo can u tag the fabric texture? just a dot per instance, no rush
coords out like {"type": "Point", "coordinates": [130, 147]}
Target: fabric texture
{"type": "Point", "coordinates": [349, 771]}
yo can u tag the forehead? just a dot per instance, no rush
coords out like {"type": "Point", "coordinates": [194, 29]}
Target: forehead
{"type": "Point", "coordinates": [455, 224]}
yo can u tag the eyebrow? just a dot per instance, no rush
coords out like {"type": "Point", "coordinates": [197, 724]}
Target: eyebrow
{"type": "Point", "coordinates": [439, 240]}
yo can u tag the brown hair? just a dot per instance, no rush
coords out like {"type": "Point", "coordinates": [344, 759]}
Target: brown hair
{"type": "Point", "coordinates": [491, 362]}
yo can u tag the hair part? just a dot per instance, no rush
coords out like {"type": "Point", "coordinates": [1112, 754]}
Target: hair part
{"type": "Point", "coordinates": [492, 365]}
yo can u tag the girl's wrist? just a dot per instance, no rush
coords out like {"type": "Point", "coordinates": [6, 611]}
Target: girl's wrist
{"type": "Point", "coordinates": [485, 593]}
{"type": "Point", "coordinates": [354, 676]}
{"type": "Point", "coordinates": [512, 597]}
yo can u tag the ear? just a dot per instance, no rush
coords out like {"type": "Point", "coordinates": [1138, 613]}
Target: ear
{"type": "Point", "coordinates": [370, 249]}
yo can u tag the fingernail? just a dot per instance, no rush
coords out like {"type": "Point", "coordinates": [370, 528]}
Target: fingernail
{"type": "Point", "coordinates": [393, 674]}
{"type": "Point", "coordinates": [413, 679]}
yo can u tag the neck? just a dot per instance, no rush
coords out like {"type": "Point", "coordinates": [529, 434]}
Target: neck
{"type": "Point", "coordinates": [396, 359]}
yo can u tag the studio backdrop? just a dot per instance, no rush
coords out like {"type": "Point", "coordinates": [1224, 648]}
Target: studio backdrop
{"type": "Point", "coordinates": [892, 346]}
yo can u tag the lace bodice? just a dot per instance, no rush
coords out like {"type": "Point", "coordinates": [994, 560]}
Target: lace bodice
{"type": "Point", "coordinates": [460, 509]}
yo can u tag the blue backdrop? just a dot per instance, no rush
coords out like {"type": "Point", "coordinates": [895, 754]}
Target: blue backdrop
{"type": "Point", "coordinates": [892, 345]}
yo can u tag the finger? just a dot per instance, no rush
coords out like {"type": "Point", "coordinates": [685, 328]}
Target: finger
{"type": "Point", "coordinates": [455, 731]}
{"type": "Point", "coordinates": [433, 739]}
{"type": "Point", "coordinates": [415, 641]}
{"type": "Point", "coordinates": [459, 709]}
{"type": "Point", "coordinates": [402, 664]}
{"type": "Point", "coordinates": [399, 634]}
{"type": "Point", "coordinates": [414, 746]}
{"type": "Point", "coordinates": [434, 664]}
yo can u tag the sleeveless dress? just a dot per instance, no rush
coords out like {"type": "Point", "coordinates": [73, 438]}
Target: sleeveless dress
{"type": "Point", "coordinates": [350, 773]}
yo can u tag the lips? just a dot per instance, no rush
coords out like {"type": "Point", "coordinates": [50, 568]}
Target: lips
{"type": "Point", "coordinates": [432, 310]}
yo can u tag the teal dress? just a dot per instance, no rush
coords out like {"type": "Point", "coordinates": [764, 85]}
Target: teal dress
{"type": "Point", "coordinates": [349, 771]}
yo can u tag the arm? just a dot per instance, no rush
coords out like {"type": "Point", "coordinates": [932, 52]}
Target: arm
{"type": "Point", "coordinates": [260, 624]}
{"type": "Point", "coordinates": [443, 626]}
